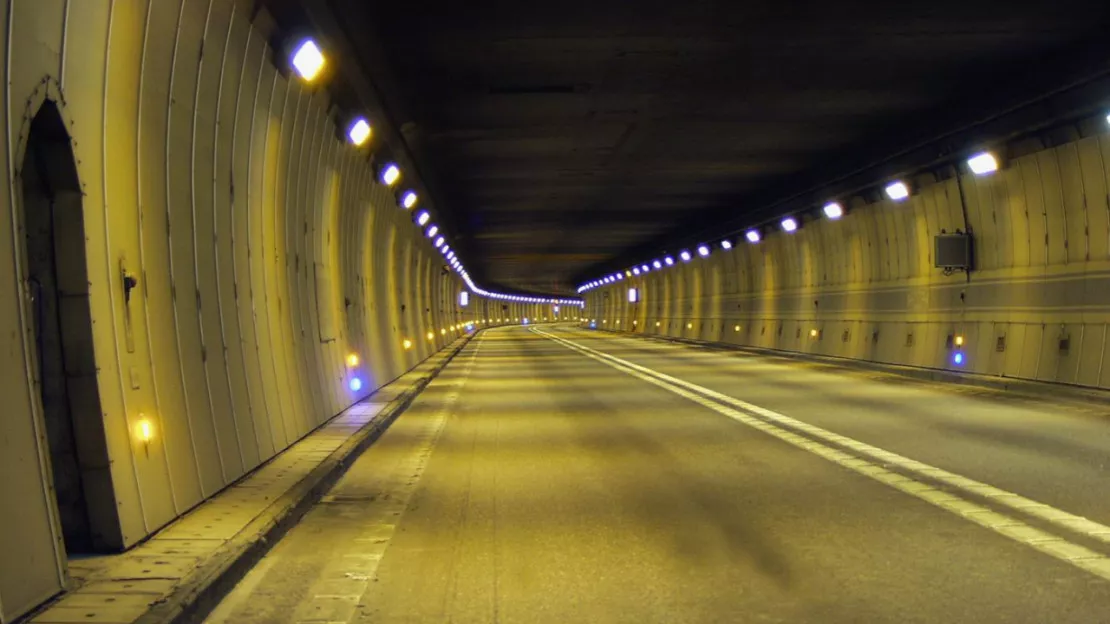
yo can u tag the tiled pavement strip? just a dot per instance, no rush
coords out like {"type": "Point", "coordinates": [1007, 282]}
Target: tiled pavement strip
{"type": "Point", "coordinates": [185, 568]}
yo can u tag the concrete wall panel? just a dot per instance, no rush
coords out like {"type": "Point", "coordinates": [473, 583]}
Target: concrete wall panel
{"type": "Point", "coordinates": [1035, 306]}
{"type": "Point", "coordinates": [264, 250]}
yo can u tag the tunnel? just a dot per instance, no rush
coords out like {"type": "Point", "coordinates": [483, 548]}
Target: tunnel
{"type": "Point", "coordinates": [589, 311]}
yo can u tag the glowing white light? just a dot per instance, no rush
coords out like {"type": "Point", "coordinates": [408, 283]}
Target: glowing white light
{"type": "Point", "coordinates": [657, 264]}
{"type": "Point", "coordinates": [359, 131]}
{"type": "Point", "coordinates": [308, 60]}
{"type": "Point", "coordinates": [390, 174]}
{"type": "Point", "coordinates": [789, 224]}
{"type": "Point", "coordinates": [445, 249]}
{"type": "Point", "coordinates": [685, 255]}
{"type": "Point", "coordinates": [669, 260]}
{"type": "Point", "coordinates": [464, 298]}
{"type": "Point", "coordinates": [423, 217]}
{"type": "Point", "coordinates": [703, 250]}
{"type": "Point", "coordinates": [439, 242]}
{"type": "Point", "coordinates": [832, 210]}
{"type": "Point", "coordinates": [432, 229]}
{"type": "Point", "coordinates": [408, 200]}
{"type": "Point", "coordinates": [982, 163]}
{"type": "Point", "coordinates": [636, 271]}
{"type": "Point", "coordinates": [752, 236]}
{"type": "Point", "coordinates": [726, 244]}
{"type": "Point", "coordinates": [633, 295]}
{"type": "Point", "coordinates": [644, 268]}
{"type": "Point", "coordinates": [897, 191]}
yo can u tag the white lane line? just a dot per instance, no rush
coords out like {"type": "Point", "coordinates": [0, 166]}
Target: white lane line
{"type": "Point", "coordinates": [1055, 546]}
{"type": "Point", "coordinates": [1071, 522]}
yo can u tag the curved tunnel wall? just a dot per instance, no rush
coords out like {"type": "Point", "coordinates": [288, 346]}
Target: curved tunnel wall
{"type": "Point", "coordinates": [264, 253]}
{"type": "Point", "coordinates": [865, 287]}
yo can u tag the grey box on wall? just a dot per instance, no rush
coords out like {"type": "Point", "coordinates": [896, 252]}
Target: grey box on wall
{"type": "Point", "coordinates": [952, 251]}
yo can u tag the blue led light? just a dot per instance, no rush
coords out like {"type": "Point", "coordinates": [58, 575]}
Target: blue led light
{"type": "Point", "coordinates": [355, 384]}
{"type": "Point", "coordinates": [958, 359]}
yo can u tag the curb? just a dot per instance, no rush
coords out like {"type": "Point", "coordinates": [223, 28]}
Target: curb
{"type": "Point", "coordinates": [193, 600]}
{"type": "Point", "coordinates": [1027, 388]}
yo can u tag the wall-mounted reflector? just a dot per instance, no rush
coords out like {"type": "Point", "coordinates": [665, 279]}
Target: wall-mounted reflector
{"type": "Point", "coordinates": [308, 60]}
{"type": "Point", "coordinates": [423, 217]}
{"type": "Point", "coordinates": [144, 431]}
{"type": "Point", "coordinates": [464, 298]}
{"type": "Point", "coordinates": [359, 132]}
{"type": "Point", "coordinates": [897, 191]}
{"type": "Point", "coordinates": [390, 174]}
{"type": "Point", "coordinates": [832, 210]}
{"type": "Point", "coordinates": [752, 236]}
{"type": "Point", "coordinates": [982, 163]}
{"type": "Point", "coordinates": [789, 224]}
{"type": "Point", "coordinates": [408, 200]}
{"type": "Point", "coordinates": [633, 295]}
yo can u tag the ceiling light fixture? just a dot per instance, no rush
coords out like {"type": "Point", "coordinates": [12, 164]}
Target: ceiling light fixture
{"type": "Point", "coordinates": [359, 132]}
{"type": "Point", "coordinates": [982, 163]}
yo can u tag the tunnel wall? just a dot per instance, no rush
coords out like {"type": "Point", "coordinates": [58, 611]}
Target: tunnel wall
{"type": "Point", "coordinates": [865, 287]}
{"type": "Point", "coordinates": [264, 251]}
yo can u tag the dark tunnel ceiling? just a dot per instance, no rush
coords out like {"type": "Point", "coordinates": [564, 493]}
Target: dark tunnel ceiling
{"type": "Point", "coordinates": [559, 137]}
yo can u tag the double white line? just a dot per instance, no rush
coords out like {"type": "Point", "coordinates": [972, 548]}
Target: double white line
{"type": "Point", "coordinates": [872, 462]}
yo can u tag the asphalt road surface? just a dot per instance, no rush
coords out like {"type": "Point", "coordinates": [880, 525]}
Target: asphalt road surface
{"type": "Point", "coordinates": [554, 474]}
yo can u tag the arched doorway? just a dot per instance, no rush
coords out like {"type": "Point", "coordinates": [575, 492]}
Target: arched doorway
{"type": "Point", "coordinates": [57, 282]}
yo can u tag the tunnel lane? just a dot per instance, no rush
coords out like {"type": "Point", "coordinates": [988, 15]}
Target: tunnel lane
{"type": "Point", "coordinates": [537, 480]}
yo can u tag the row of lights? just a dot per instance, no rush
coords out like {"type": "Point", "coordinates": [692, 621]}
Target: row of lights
{"type": "Point", "coordinates": [982, 163]}
{"type": "Point", "coordinates": [309, 62]}
{"type": "Point", "coordinates": [958, 357]}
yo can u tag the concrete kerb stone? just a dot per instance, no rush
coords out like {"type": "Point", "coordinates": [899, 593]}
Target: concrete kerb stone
{"type": "Point", "coordinates": [193, 599]}
{"type": "Point", "coordinates": [1037, 390]}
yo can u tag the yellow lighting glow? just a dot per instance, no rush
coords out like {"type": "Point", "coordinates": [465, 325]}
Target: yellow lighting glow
{"type": "Point", "coordinates": [443, 332]}
{"type": "Point", "coordinates": [308, 60]}
{"type": "Point", "coordinates": [737, 328]}
{"type": "Point", "coordinates": [407, 344]}
{"type": "Point", "coordinates": [813, 333]}
{"type": "Point", "coordinates": [144, 431]}
{"type": "Point", "coordinates": [352, 360]}
{"type": "Point", "coordinates": [431, 336]}
{"type": "Point", "coordinates": [657, 323]}
{"type": "Point", "coordinates": [689, 326]}
{"type": "Point", "coordinates": [959, 341]}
